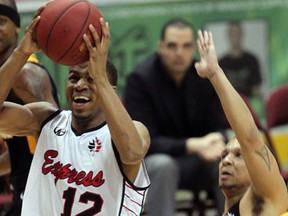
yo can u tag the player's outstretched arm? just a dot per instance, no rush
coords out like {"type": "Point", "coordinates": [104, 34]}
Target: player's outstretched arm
{"type": "Point", "coordinates": [131, 138]}
{"type": "Point", "coordinates": [262, 167]}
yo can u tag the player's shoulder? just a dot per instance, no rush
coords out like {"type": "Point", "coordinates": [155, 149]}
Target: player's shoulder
{"type": "Point", "coordinates": [31, 65]}
{"type": "Point", "coordinates": [35, 71]}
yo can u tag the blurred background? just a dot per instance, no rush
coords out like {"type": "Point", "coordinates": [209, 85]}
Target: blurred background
{"type": "Point", "coordinates": [135, 28]}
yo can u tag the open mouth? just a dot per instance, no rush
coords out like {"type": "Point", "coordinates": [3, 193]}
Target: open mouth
{"type": "Point", "coordinates": [79, 102]}
{"type": "Point", "coordinates": [80, 99]}
{"type": "Point", "coordinates": [225, 173]}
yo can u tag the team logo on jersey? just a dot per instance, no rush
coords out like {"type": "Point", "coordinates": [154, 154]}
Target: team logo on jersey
{"type": "Point", "coordinates": [95, 145]}
{"type": "Point", "coordinates": [66, 172]}
{"type": "Point", "coordinates": [59, 131]}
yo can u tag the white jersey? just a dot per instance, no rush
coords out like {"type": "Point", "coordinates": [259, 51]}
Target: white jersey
{"type": "Point", "coordinates": [80, 174]}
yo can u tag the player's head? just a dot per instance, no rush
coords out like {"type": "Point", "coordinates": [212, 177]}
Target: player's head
{"type": "Point", "coordinates": [177, 45]}
{"type": "Point", "coordinates": [233, 173]}
{"type": "Point", "coordinates": [8, 8]}
{"type": "Point", "coordinates": [81, 94]}
{"type": "Point", "coordinates": [9, 26]}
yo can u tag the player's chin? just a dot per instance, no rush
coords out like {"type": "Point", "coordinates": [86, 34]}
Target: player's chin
{"type": "Point", "coordinates": [80, 114]}
{"type": "Point", "coordinates": [80, 107]}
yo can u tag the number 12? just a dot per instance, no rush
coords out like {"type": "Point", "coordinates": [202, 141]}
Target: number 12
{"type": "Point", "coordinates": [69, 196]}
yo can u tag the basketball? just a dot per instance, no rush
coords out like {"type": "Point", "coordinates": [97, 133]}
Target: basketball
{"type": "Point", "coordinates": [60, 30]}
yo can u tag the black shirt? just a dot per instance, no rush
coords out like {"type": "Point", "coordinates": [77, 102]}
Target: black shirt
{"type": "Point", "coordinates": [243, 72]}
{"type": "Point", "coordinates": [172, 113]}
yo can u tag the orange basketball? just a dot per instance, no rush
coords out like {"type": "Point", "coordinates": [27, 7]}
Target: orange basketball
{"type": "Point", "coordinates": [60, 30]}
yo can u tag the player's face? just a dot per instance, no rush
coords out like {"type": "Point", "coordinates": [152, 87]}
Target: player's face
{"type": "Point", "coordinates": [177, 49]}
{"type": "Point", "coordinates": [8, 34]}
{"type": "Point", "coordinates": [233, 173]}
{"type": "Point", "coordinates": [81, 93]}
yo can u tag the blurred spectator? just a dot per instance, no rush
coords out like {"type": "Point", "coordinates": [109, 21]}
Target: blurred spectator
{"type": "Point", "coordinates": [240, 66]}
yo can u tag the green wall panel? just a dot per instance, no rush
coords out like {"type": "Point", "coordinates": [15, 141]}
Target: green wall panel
{"type": "Point", "coordinates": [135, 30]}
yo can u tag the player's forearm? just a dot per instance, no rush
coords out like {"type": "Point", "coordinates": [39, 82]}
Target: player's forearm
{"type": "Point", "coordinates": [235, 109]}
{"type": "Point", "coordinates": [124, 133]}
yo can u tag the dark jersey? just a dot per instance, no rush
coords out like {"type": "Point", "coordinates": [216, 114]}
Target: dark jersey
{"type": "Point", "coordinates": [234, 210]}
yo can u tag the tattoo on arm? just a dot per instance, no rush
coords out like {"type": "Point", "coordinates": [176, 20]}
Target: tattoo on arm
{"type": "Point", "coordinates": [264, 154]}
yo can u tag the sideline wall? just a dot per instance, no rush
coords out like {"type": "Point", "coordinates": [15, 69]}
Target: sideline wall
{"type": "Point", "coordinates": [135, 28]}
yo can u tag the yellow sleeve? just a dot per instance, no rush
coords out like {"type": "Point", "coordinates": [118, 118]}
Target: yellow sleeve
{"type": "Point", "coordinates": [33, 58]}
{"type": "Point", "coordinates": [31, 140]}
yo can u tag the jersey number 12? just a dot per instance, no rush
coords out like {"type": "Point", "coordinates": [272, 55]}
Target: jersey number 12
{"type": "Point", "coordinates": [69, 196]}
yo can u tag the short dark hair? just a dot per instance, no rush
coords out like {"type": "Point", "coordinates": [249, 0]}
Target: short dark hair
{"type": "Point", "coordinates": [177, 23]}
{"type": "Point", "coordinates": [112, 73]}
{"type": "Point", "coordinates": [8, 8]}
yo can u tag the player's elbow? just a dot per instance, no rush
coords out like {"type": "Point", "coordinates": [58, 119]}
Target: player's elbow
{"type": "Point", "coordinates": [136, 147]}
{"type": "Point", "coordinates": [252, 138]}
{"type": "Point", "coordinates": [135, 155]}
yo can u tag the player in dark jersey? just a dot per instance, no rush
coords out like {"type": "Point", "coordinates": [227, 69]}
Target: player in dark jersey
{"type": "Point", "coordinates": [33, 84]}
{"type": "Point", "coordinates": [249, 175]}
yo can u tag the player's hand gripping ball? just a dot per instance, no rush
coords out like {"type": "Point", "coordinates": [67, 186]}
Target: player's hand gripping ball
{"type": "Point", "coordinates": [60, 30]}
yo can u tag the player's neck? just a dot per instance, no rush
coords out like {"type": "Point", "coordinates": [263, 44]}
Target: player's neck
{"type": "Point", "coordinates": [232, 197]}
{"type": "Point", "coordinates": [229, 202]}
{"type": "Point", "coordinates": [4, 55]}
{"type": "Point", "coordinates": [82, 125]}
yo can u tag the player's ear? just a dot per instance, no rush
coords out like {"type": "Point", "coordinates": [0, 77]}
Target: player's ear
{"type": "Point", "coordinates": [17, 30]}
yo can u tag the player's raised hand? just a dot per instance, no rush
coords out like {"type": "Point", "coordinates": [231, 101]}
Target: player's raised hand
{"type": "Point", "coordinates": [98, 54]}
{"type": "Point", "coordinates": [28, 43]}
{"type": "Point", "coordinates": [208, 64]}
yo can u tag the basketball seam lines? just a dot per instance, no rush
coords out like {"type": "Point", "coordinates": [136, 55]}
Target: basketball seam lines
{"type": "Point", "coordinates": [59, 59]}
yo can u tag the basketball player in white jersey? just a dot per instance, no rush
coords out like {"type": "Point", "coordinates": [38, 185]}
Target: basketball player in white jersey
{"type": "Point", "coordinates": [88, 161]}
